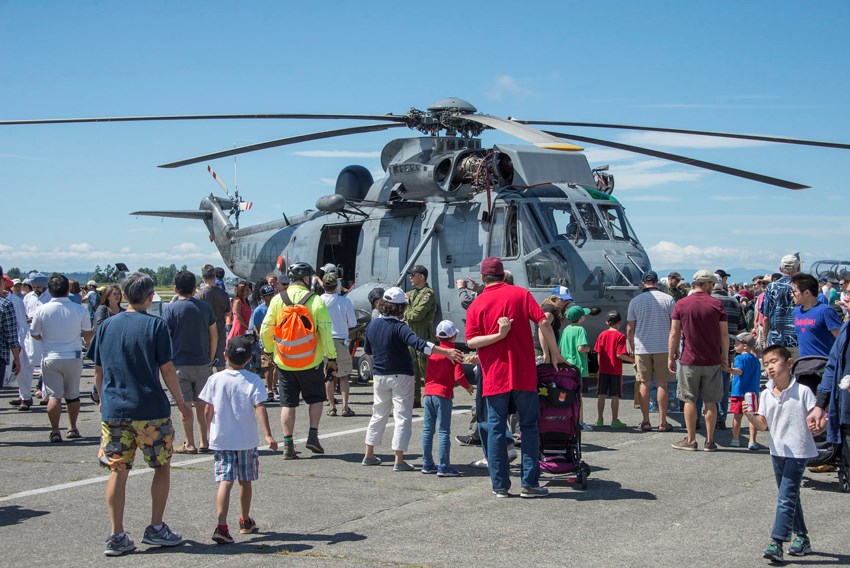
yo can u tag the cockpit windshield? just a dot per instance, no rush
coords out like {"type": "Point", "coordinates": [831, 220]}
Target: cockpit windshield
{"type": "Point", "coordinates": [576, 224]}
{"type": "Point", "coordinates": [615, 220]}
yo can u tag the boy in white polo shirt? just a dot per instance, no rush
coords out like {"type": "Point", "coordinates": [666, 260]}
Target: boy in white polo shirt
{"type": "Point", "coordinates": [235, 403]}
{"type": "Point", "coordinates": [783, 408]}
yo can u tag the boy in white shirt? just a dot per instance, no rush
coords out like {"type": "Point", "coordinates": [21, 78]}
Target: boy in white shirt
{"type": "Point", "coordinates": [783, 408]}
{"type": "Point", "coordinates": [235, 403]}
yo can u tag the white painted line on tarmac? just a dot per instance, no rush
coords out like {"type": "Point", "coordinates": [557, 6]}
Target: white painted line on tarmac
{"type": "Point", "coordinates": [201, 459]}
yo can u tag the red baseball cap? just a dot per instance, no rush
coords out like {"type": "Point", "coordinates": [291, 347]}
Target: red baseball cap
{"type": "Point", "coordinates": [7, 282]}
{"type": "Point", "coordinates": [492, 266]}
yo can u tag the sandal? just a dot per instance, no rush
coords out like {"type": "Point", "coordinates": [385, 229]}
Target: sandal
{"type": "Point", "coordinates": [203, 450]}
{"type": "Point", "coordinates": [72, 433]}
{"type": "Point", "coordinates": [347, 412]}
{"type": "Point", "coordinates": [184, 449]}
{"type": "Point", "coordinates": [645, 427]}
{"type": "Point", "coordinates": [55, 437]}
{"type": "Point", "coordinates": [332, 412]}
{"type": "Point", "coordinates": [666, 427]}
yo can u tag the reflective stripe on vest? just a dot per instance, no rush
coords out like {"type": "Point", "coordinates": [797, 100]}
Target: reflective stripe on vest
{"type": "Point", "coordinates": [305, 339]}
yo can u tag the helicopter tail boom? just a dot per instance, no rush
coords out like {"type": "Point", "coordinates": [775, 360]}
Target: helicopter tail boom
{"type": "Point", "coordinates": [202, 215]}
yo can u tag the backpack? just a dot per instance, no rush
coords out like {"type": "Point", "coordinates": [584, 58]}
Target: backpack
{"type": "Point", "coordinates": [295, 334]}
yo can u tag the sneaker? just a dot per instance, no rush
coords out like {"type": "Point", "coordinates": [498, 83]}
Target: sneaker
{"type": "Point", "coordinates": [653, 407]}
{"type": "Point", "coordinates": [721, 425]}
{"type": "Point", "coordinates": [735, 443]}
{"type": "Point", "coordinates": [618, 424]}
{"type": "Point", "coordinates": [289, 451]}
{"type": "Point", "coordinates": [773, 552]}
{"type": "Point", "coordinates": [600, 423]}
{"type": "Point", "coordinates": [683, 444]}
{"type": "Point", "coordinates": [585, 427]}
{"type": "Point", "coordinates": [16, 401]}
{"type": "Point", "coordinates": [447, 471]}
{"type": "Point", "coordinates": [313, 444]}
{"type": "Point", "coordinates": [403, 466]}
{"type": "Point", "coordinates": [501, 493]}
{"type": "Point", "coordinates": [530, 492]}
{"type": "Point", "coordinates": [222, 536]}
{"type": "Point", "coordinates": [709, 447]}
{"type": "Point", "coordinates": [162, 537]}
{"type": "Point", "coordinates": [371, 461]}
{"type": "Point", "coordinates": [247, 526]}
{"type": "Point", "coordinates": [119, 547]}
{"type": "Point", "coordinates": [513, 454]}
{"type": "Point", "coordinates": [25, 406]}
{"type": "Point", "coordinates": [755, 446]}
{"type": "Point", "coordinates": [468, 440]}
{"type": "Point", "coordinates": [801, 546]}
{"type": "Point", "coordinates": [481, 464]}
{"type": "Point", "coordinates": [429, 468]}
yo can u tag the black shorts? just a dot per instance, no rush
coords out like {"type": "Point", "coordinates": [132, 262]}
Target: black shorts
{"type": "Point", "coordinates": [610, 385]}
{"type": "Point", "coordinates": [309, 383]}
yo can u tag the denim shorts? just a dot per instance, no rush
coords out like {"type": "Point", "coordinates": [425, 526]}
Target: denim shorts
{"type": "Point", "coordinates": [237, 464]}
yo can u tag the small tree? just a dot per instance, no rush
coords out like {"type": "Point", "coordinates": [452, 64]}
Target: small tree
{"type": "Point", "coordinates": [150, 272]}
{"type": "Point", "coordinates": [14, 272]}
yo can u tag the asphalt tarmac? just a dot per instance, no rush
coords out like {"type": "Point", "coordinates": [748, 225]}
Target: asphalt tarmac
{"type": "Point", "coordinates": [645, 505]}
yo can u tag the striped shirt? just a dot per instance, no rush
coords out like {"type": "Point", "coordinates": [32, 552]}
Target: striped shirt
{"type": "Point", "coordinates": [651, 311]}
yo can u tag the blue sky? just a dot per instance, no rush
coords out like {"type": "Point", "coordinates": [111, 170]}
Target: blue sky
{"type": "Point", "coordinates": [775, 68]}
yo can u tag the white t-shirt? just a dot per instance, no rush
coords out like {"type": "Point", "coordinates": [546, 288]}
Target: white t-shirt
{"type": "Point", "coordinates": [786, 419]}
{"type": "Point", "coordinates": [651, 311]}
{"type": "Point", "coordinates": [234, 394]}
{"type": "Point", "coordinates": [342, 314]}
{"type": "Point", "coordinates": [59, 322]}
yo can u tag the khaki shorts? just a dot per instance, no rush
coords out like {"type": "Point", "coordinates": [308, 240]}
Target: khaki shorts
{"type": "Point", "coordinates": [344, 365]}
{"type": "Point", "coordinates": [62, 377]}
{"type": "Point", "coordinates": [652, 364]}
{"type": "Point", "coordinates": [701, 380]}
{"type": "Point", "coordinates": [266, 360]}
{"type": "Point", "coordinates": [192, 379]}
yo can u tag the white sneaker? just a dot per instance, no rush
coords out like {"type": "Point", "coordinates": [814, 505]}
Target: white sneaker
{"type": "Point", "coordinates": [482, 463]}
{"type": "Point", "coordinates": [586, 427]}
{"type": "Point", "coordinates": [512, 454]}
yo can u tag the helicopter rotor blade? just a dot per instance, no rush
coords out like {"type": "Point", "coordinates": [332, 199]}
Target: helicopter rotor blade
{"type": "Point", "coordinates": [282, 142]}
{"type": "Point", "coordinates": [387, 117]}
{"type": "Point", "coordinates": [216, 178]}
{"type": "Point", "coordinates": [532, 135]}
{"type": "Point", "coordinates": [685, 160]}
{"type": "Point", "coordinates": [777, 139]}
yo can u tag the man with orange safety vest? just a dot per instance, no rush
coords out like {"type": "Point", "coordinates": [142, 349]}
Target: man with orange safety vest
{"type": "Point", "coordinates": [299, 358]}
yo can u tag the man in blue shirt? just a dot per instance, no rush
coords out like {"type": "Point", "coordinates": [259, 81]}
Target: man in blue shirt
{"type": "Point", "coordinates": [130, 350]}
{"type": "Point", "coordinates": [194, 337]}
{"type": "Point", "coordinates": [816, 323]}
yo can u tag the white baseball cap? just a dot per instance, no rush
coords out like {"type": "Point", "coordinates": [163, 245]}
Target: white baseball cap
{"type": "Point", "coordinates": [395, 295]}
{"type": "Point", "coordinates": [91, 283]}
{"type": "Point", "coordinates": [446, 329]}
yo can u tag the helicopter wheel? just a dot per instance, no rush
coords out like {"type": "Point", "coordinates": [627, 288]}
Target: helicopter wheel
{"type": "Point", "coordinates": [364, 367]}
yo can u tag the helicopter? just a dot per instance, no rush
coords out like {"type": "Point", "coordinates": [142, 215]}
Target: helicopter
{"type": "Point", "coordinates": [447, 202]}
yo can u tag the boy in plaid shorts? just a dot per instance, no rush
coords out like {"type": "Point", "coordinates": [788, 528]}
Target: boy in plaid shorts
{"type": "Point", "coordinates": [235, 403]}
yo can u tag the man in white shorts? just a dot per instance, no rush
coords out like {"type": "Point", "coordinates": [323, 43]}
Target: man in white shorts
{"type": "Point", "coordinates": [58, 325]}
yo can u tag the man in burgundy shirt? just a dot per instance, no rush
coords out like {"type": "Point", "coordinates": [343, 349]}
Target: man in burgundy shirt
{"type": "Point", "coordinates": [496, 325]}
{"type": "Point", "coordinates": [703, 323]}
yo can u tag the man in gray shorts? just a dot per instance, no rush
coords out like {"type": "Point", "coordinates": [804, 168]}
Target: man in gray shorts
{"type": "Point", "coordinates": [58, 325]}
{"type": "Point", "coordinates": [194, 336]}
{"type": "Point", "coordinates": [703, 323]}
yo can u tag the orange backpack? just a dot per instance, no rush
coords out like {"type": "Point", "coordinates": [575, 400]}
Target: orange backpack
{"type": "Point", "coordinates": [295, 334]}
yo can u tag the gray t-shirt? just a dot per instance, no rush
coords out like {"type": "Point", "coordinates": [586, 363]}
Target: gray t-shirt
{"type": "Point", "coordinates": [651, 310]}
{"type": "Point", "coordinates": [189, 324]}
{"type": "Point", "coordinates": [786, 419]}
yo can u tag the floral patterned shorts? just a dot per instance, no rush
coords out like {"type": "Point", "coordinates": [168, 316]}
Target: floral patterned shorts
{"type": "Point", "coordinates": [119, 441]}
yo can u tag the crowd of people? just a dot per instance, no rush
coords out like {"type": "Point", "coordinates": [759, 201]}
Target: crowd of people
{"type": "Point", "coordinates": [222, 359]}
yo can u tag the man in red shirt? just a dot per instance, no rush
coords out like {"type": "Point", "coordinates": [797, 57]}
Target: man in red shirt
{"type": "Point", "coordinates": [508, 372]}
{"type": "Point", "coordinates": [702, 321]}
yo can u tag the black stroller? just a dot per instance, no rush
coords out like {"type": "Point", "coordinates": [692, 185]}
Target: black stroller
{"type": "Point", "coordinates": [809, 371]}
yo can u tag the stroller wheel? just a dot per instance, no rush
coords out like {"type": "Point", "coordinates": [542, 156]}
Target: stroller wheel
{"type": "Point", "coordinates": [582, 479]}
{"type": "Point", "coordinates": [843, 480]}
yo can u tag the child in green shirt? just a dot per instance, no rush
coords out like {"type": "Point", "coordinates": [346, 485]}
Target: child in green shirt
{"type": "Point", "coordinates": [574, 347]}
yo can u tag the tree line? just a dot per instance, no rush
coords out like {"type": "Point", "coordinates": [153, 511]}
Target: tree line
{"type": "Point", "coordinates": [162, 275]}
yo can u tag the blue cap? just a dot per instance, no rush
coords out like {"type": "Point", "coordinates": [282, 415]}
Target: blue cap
{"type": "Point", "coordinates": [562, 292]}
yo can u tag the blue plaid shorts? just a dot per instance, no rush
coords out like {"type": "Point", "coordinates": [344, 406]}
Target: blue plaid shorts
{"type": "Point", "coordinates": [233, 464]}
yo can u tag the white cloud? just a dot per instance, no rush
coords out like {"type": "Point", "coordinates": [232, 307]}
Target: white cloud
{"type": "Point", "coordinates": [336, 154]}
{"type": "Point", "coordinates": [80, 248]}
{"type": "Point", "coordinates": [651, 173]}
{"type": "Point", "coordinates": [666, 253]}
{"type": "Point", "coordinates": [327, 181]}
{"type": "Point", "coordinates": [735, 197]}
{"type": "Point", "coordinates": [186, 247]}
{"type": "Point", "coordinates": [675, 140]}
{"type": "Point", "coordinates": [5, 248]}
{"type": "Point", "coordinates": [506, 85]}
{"type": "Point", "coordinates": [603, 156]}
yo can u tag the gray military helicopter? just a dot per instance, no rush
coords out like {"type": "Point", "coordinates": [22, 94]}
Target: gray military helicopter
{"type": "Point", "coordinates": [447, 202]}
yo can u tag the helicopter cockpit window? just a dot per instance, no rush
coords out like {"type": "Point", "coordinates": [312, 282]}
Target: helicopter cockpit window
{"type": "Point", "coordinates": [504, 233]}
{"type": "Point", "coordinates": [565, 222]}
{"type": "Point", "coordinates": [547, 269]}
{"type": "Point", "coordinates": [591, 220]}
{"type": "Point", "coordinates": [615, 220]}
